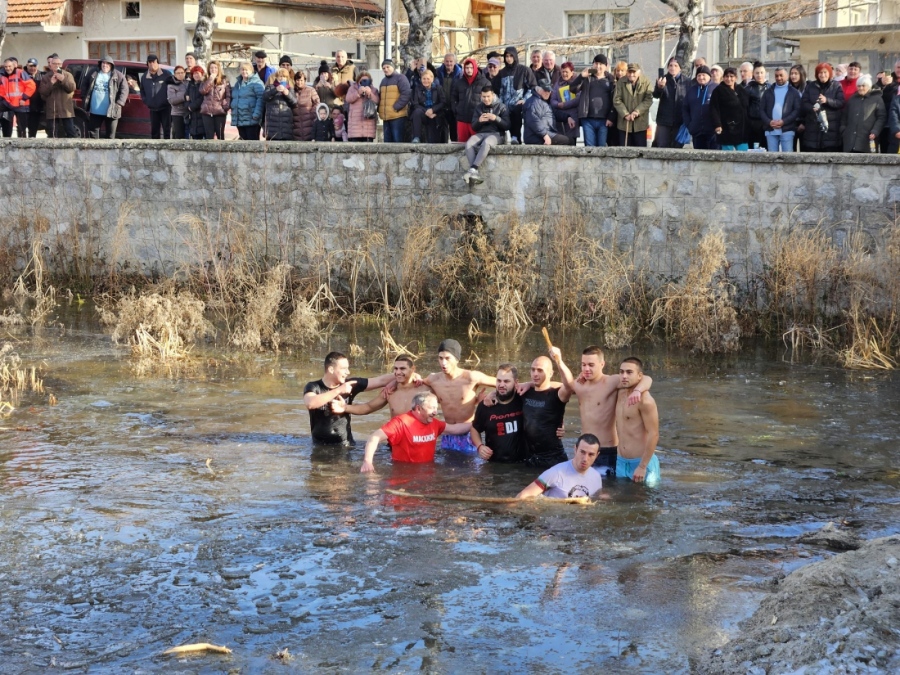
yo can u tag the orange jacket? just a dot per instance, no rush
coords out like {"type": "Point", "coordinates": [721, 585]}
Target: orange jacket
{"type": "Point", "coordinates": [17, 89]}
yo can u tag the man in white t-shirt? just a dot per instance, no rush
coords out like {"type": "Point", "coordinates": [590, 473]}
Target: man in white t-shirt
{"type": "Point", "coordinates": [575, 478]}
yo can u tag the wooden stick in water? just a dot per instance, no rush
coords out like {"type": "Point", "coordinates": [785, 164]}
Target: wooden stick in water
{"type": "Point", "coordinates": [198, 647]}
{"type": "Point", "coordinates": [483, 500]}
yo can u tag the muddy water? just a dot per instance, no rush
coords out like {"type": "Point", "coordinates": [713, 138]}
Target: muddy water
{"type": "Point", "coordinates": [117, 540]}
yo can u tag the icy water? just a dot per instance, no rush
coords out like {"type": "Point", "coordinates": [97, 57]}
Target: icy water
{"type": "Point", "coordinates": [117, 540]}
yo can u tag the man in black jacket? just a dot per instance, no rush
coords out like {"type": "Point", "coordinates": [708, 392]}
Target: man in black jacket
{"type": "Point", "coordinates": [489, 122]}
{"type": "Point", "coordinates": [670, 91]}
{"type": "Point", "coordinates": [595, 104]}
{"type": "Point", "coordinates": [154, 94]}
{"type": "Point", "coordinates": [512, 83]}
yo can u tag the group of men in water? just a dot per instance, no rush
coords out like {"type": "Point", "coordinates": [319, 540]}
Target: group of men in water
{"type": "Point", "coordinates": [516, 422]}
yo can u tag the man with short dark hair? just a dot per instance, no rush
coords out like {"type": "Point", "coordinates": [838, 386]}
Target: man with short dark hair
{"type": "Point", "coordinates": [398, 395]}
{"type": "Point", "coordinates": [412, 435]}
{"type": "Point", "coordinates": [154, 94]}
{"type": "Point", "coordinates": [326, 400]}
{"type": "Point", "coordinates": [572, 478]}
{"type": "Point", "coordinates": [596, 113]}
{"type": "Point", "coordinates": [638, 428]}
{"type": "Point", "coordinates": [501, 423]}
{"type": "Point", "coordinates": [489, 122]}
{"type": "Point", "coordinates": [780, 109]}
{"type": "Point", "coordinates": [263, 70]}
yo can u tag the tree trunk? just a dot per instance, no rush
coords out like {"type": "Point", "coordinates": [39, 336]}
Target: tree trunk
{"type": "Point", "coordinates": [421, 28]}
{"type": "Point", "coordinates": [3, 14]}
{"type": "Point", "coordinates": [203, 32]}
{"type": "Point", "coordinates": [690, 17]}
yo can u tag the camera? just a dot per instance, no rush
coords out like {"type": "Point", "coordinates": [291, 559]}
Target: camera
{"type": "Point", "coordinates": [59, 71]}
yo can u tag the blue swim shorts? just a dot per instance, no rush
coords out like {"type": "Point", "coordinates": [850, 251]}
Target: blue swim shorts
{"type": "Point", "coordinates": [461, 443]}
{"type": "Point", "coordinates": [625, 469]}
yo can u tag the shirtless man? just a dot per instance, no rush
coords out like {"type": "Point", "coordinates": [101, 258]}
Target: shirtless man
{"type": "Point", "coordinates": [325, 399]}
{"type": "Point", "coordinates": [456, 392]}
{"type": "Point", "coordinates": [398, 397]}
{"type": "Point", "coordinates": [638, 427]}
{"type": "Point", "coordinates": [596, 394]}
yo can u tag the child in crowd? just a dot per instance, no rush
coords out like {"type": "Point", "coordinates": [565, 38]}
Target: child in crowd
{"type": "Point", "coordinates": [340, 130]}
{"type": "Point", "coordinates": [323, 127]}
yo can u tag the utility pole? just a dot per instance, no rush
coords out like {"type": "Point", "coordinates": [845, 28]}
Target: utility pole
{"type": "Point", "coordinates": [388, 29]}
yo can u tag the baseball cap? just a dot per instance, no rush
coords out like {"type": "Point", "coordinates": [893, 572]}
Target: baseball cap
{"type": "Point", "coordinates": [494, 62]}
{"type": "Point", "coordinates": [152, 57]}
{"type": "Point", "coordinates": [32, 62]}
{"type": "Point", "coordinates": [260, 54]}
{"type": "Point", "coordinates": [634, 66]}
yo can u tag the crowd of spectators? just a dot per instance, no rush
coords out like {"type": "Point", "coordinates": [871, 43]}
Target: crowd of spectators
{"type": "Point", "coordinates": [838, 109]}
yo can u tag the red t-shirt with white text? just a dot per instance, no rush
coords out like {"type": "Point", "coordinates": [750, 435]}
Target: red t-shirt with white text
{"type": "Point", "coordinates": [412, 441]}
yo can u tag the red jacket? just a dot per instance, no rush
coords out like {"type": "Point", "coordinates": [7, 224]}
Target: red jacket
{"type": "Point", "coordinates": [17, 89]}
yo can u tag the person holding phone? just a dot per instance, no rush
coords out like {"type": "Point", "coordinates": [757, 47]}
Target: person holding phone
{"type": "Point", "coordinates": [280, 101]}
{"type": "Point", "coordinates": [595, 88]}
{"type": "Point", "coordinates": [57, 90]}
{"type": "Point", "coordinates": [671, 88]}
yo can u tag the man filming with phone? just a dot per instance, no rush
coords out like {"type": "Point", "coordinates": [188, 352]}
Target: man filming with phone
{"type": "Point", "coordinates": [57, 90]}
{"type": "Point", "coordinates": [671, 87]}
{"type": "Point", "coordinates": [595, 106]}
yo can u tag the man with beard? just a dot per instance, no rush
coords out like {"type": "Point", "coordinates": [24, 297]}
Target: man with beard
{"type": "Point", "coordinates": [501, 423]}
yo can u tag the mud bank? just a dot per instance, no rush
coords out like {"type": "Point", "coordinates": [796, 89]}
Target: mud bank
{"type": "Point", "coordinates": [839, 615]}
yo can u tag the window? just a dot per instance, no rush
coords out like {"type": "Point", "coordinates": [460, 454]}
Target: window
{"type": "Point", "coordinates": [131, 10]}
{"type": "Point", "coordinates": [133, 50]}
{"type": "Point", "coordinates": [597, 23]}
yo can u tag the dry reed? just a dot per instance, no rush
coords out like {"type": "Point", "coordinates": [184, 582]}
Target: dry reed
{"type": "Point", "coordinates": [16, 378]}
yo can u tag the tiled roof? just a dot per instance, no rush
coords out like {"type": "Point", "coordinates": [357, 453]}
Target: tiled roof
{"type": "Point", "coordinates": [363, 6]}
{"type": "Point", "coordinates": [31, 11]}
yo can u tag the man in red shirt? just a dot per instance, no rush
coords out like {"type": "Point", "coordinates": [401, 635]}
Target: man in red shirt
{"type": "Point", "coordinates": [412, 435]}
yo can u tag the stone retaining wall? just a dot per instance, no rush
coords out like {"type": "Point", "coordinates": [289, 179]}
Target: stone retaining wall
{"type": "Point", "coordinates": [138, 204]}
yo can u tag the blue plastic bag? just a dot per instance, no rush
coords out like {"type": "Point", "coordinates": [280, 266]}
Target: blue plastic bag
{"type": "Point", "coordinates": [683, 136]}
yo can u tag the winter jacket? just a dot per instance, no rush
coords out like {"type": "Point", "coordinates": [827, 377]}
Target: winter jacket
{"type": "Point", "coordinates": [17, 90]}
{"type": "Point", "coordinates": [305, 113]}
{"type": "Point", "coordinates": [175, 93]}
{"type": "Point", "coordinates": [216, 97]}
{"type": "Point", "coordinates": [325, 90]}
{"type": "Point", "coordinates": [346, 74]}
{"type": "Point", "coordinates": [265, 74]}
{"type": "Point", "coordinates": [539, 121]}
{"type": "Point", "coordinates": [36, 103]}
{"type": "Point", "coordinates": [118, 92]}
{"type": "Point", "coordinates": [357, 125]}
{"type": "Point", "coordinates": [813, 137]}
{"type": "Point", "coordinates": [755, 92]}
{"type": "Point", "coordinates": [863, 115]}
{"type": "Point", "coordinates": [497, 126]}
{"type": "Point", "coordinates": [58, 103]}
{"type": "Point", "coordinates": [447, 80]}
{"type": "Point", "coordinates": [279, 113]}
{"type": "Point", "coordinates": [323, 130]}
{"type": "Point", "coordinates": [414, 77]}
{"type": "Point", "coordinates": [671, 100]}
{"type": "Point", "coordinates": [848, 86]}
{"type": "Point", "coordinates": [790, 111]}
{"type": "Point", "coordinates": [153, 90]}
{"type": "Point", "coordinates": [193, 100]}
{"type": "Point", "coordinates": [394, 93]}
{"type": "Point", "coordinates": [728, 110]}
{"type": "Point", "coordinates": [247, 101]}
{"type": "Point", "coordinates": [438, 102]}
{"type": "Point", "coordinates": [595, 96]}
{"type": "Point", "coordinates": [894, 124]}
{"type": "Point", "coordinates": [695, 110]}
{"type": "Point", "coordinates": [466, 94]}
{"type": "Point", "coordinates": [547, 77]}
{"type": "Point", "coordinates": [628, 99]}
{"type": "Point", "coordinates": [514, 81]}
{"type": "Point", "coordinates": [564, 110]}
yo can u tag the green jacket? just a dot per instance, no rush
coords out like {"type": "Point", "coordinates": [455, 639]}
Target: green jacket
{"type": "Point", "coordinates": [627, 99]}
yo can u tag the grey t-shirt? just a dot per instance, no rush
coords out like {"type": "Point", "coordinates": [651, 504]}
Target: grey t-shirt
{"type": "Point", "coordinates": [563, 480]}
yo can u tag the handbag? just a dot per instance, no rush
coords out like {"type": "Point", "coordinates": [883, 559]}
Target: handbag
{"type": "Point", "coordinates": [683, 136]}
{"type": "Point", "coordinates": [370, 110]}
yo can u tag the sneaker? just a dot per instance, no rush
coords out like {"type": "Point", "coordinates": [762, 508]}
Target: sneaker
{"type": "Point", "coordinates": [416, 140]}
{"type": "Point", "coordinates": [475, 178]}
{"type": "Point", "coordinates": [515, 140]}
{"type": "Point", "coordinates": [467, 176]}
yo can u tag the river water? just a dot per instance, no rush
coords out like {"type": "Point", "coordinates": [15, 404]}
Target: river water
{"type": "Point", "coordinates": [117, 540]}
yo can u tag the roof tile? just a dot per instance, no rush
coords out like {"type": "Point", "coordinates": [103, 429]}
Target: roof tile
{"type": "Point", "coordinates": [31, 11]}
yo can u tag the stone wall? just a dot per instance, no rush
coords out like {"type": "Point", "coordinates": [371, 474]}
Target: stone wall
{"type": "Point", "coordinates": [154, 206]}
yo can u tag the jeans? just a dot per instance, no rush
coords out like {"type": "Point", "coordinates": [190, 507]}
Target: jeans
{"type": "Point", "coordinates": [94, 123]}
{"type": "Point", "coordinates": [478, 146]}
{"type": "Point", "coordinates": [161, 120]}
{"type": "Point", "coordinates": [595, 132]}
{"type": "Point", "coordinates": [249, 132]}
{"type": "Point", "coordinates": [783, 142]}
{"type": "Point", "coordinates": [393, 130]}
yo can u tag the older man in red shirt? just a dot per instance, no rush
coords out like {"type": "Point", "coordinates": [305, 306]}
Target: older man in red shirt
{"type": "Point", "coordinates": [412, 435]}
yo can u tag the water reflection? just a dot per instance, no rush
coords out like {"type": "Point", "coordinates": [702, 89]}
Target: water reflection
{"type": "Point", "coordinates": [118, 540]}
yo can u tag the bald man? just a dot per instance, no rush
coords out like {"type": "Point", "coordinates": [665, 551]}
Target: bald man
{"type": "Point", "coordinates": [543, 407]}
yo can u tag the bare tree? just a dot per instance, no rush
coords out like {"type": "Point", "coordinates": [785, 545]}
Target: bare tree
{"type": "Point", "coordinates": [203, 32]}
{"type": "Point", "coordinates": [421, 28]}
{"type": "Point", "coordinates": [3, 14]}
{"type": "Point", "coordinates": [690, 17]}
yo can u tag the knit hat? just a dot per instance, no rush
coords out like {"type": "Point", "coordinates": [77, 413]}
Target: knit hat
{"type": "Point", "coordinates": [387, 62]}
{"type": "Point", "coordinates": [285, 59]}
{"type": "Point", "coordinates": [826, 67]}
{"type": "Point", "coordinates": [323, 67]}
{"type": "Point", "coordinates": [601, 58]}
{"type": "Point", "coordinates": [452, 346]}
{"type": "Point", "coordinates": [703, 70]}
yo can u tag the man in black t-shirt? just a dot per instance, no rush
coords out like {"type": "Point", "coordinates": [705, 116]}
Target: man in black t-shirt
{"type": "Point", "coordinates": [504, 435]}
{"type": "Point", "coordinates": [326, 398]}
{"type": "Point", "coordinates": [544, 407]}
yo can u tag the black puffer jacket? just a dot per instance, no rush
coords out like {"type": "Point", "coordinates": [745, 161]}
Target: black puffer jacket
{"type": "Point", "coordinates": [193, 101]}
{"type": "Point", "coordinates": [279, 113]}
{"type": "Point", "coordinates": [863, 115]}
{"type": "Point", "coordinates": [671, 100]}
{"type": "Point", "coordinates": [813, 137]}
{"type": "Point", "coordinates": [466, 96]}
{"type": "Point", "coordinates": [728, 111]}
